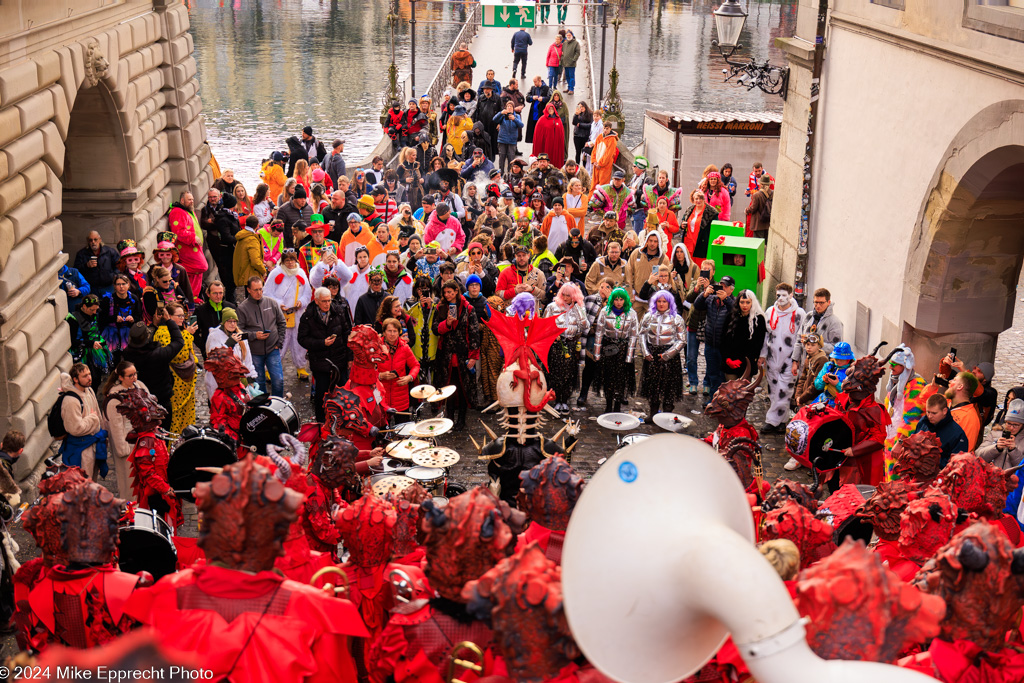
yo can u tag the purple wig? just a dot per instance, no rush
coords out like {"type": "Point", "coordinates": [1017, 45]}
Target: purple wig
{"type": "Point", "coordinates": [522, 304]}
{"type": "Point", "coordinates": [662, 294]}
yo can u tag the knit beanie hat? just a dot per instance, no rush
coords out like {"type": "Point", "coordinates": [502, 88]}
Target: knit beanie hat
{"type": "Point", "coordinates": [228, 314]}
{"type": "Point", "coordinates": [365, 202]}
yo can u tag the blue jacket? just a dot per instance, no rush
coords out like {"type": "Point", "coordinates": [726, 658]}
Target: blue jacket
{"type": "Point", "coordinates": [950, 435]}
{"type": "Point", "coordinates": [521, 40]}
{"type": "Point", "coordinates": [508, 131]}
{"type": "Point", "coordinates": [819, 382]}
{"type": "Point", "coordinates": [1013, 503]}
{"type": "Point", "coordinates": [495, 86]}
{"type": "Point", "coordinates": [70, 277]}
{"type": "Point", "coordinates": [468, 170]}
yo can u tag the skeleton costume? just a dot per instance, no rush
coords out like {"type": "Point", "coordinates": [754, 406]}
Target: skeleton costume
{"type": "Point", "coordinates": [563, 357]}
{"type": "Point", "coordinates": [662, 336]}
{"type": "Point", "coordinates": [290, 287]}
{"type": "Point", "coordinates": [615, 342]}
{"type": "Point", "coordinates": [783, 326]}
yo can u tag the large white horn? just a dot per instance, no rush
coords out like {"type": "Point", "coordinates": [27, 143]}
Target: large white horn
{"type": "Point", "coordinates": [659, 565]}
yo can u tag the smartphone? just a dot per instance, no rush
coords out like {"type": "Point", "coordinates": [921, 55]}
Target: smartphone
{"type": "Point", "coordinates": [1007, 434]}
{"type": "Point", "coordinates": [191, 320]}
{"type": "Point", "coordinates": [952, 351]}
{"type": "Point", "coordinates": [706, 274]}
{"type": "Point", "coordinates": [453, 310]}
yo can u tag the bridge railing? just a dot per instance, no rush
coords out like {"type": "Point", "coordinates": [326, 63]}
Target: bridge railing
{"type": "Point", "coordinates": [595, 85]}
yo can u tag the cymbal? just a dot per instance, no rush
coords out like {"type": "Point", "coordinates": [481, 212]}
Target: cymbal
{"type": "Point", "coordinates": [435, 457]}
{"type": "Point", "coordinates": [442, 394]}
{"type": "Point", "coordinates": [672, 422]}
{"type": "Point", "coordinates": [422, 391]}
{"type": "Point", "coordinates": [619, 422]}
{"type": "Point", "coordinates": [433, 427]}
{"type": "Point", "coordinates": [404, 449]}
{"type": "Point", "coordinates": [395, 484]}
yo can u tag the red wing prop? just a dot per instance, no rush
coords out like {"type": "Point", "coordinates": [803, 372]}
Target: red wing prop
{"type": "Point", "coordinates": [514, 333]}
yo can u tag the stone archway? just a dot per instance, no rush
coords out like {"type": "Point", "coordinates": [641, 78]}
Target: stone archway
{"type": "Point", "coordinates": [966, 255]}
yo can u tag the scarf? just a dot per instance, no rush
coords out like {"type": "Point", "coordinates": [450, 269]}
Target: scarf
{"type": "Point", "coordinates": [618, 316]}
{"type": "Point", "coordinates": [291, 272]}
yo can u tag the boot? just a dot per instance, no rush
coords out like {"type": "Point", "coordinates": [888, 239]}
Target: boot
{"type": "Point", "coordinates": [654, 408]}
{"type": "Point", "coordinates": [668, 408]}
{"type": "Point", "coordinates": [460, 420]}
{"type": "Point", "coordinates": [617, 405]}
{"type": "Point", "coordinates": [608, 404]}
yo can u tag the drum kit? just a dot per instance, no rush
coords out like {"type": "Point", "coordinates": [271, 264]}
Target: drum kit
{"type": "Point", "coordinates": [416, 457]}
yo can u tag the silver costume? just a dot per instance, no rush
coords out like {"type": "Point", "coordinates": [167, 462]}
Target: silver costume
{"type": "Point", "coordinates": [573, 320]}
{"type": "Point", "coordinates": [662, 329]}
{"type": "Point", "coordinates": [607, 329]}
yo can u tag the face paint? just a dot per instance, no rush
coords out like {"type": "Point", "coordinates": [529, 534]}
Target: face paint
{"type": "Point", "coordinates": [782, 298]}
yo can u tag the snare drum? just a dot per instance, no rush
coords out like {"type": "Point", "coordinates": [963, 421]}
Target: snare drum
{"type": "Point", "coordinates": [430, 478]}
{"type": "Point", "coordinates": [265, 420]}
{"type": "Point", "coordinates": [207, 448]}
{"type": "Point", "coordinates": [146, 544]}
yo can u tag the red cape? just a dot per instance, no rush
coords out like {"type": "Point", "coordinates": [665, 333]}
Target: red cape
{"type": "Point", "coordinates": [549, 137]}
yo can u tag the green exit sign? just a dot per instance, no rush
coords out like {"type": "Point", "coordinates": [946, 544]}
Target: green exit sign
{"type": "Point", "coordinates": [509, 14]}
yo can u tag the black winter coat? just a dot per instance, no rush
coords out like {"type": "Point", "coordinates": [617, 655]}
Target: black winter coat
{"type": "Point", "coordinates": [700, 249]}
{"type": "Point", "coordinates": [583, 253]}
{"type": "Point", "coordinates": [106, 267]}
{"type": "Point", "coordinates": [313, 331]}
{"type": "Point", "coordinates": [367, 306]}
{"type": "Point", "coordinates": [153, 363]}
{"type": "Point", "coordinates": [717, 311]}
{"type": "Point", "coordinates": [738, 344]}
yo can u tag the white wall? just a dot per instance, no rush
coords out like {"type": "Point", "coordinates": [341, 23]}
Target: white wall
{"type": "Point", "coordinates": [700, 150]}
{"type": "Point", "coordinates": [887, 116]}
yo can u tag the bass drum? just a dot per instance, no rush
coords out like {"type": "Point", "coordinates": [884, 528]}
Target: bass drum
{"type": "Point", "coordinates": [146, 544]}
{"type": "Point", "coordinates": [208, 447]}
{"type": "Point", "coordinates": [265, 419]}
{"type": "Point", "coordinates": [816, 435]}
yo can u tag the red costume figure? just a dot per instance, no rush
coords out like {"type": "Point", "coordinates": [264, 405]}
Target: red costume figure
{"type": "Point", "coordinates": [787, 489]}
{"type": "Point", "coordinates": [792, 521]}
{"type": "Point", "coordinates": [81, 603]}
{"type": "Point", "coordinates": [916, 457]}
{"type": "Point", "coordinates": [408, 548]}
{"type": "Point", "coordinates": [865, 462]}
{"type": "Point", "coordinates": [548, 494]}
{"type": "Point", "coordinates": [241, 619]}
{"type": "Point", "coordinates": [735, 438]}
{"type": "Point", "coordinates": [927, 525]}
{"type": "Point", "coordinates": [524, 596]}
{"type": "Point", "coordinates": [976, 486]}
{"type": "Point", "coordinates": [358, 411]}
{"type": "Point", "coordinates": [463, 540]}
{"type": "Point", "coordinates": [884, 509]}
{"type": "Point", "coordinates": [332, 470]}
{"type": "Point", "coordinates": [860, 610]}
{"type": "Point", "coordinates": [227, 403]}
{"type": "Point", "coordinates": [367, 528]}
{"type": "Point", "coordinates": [149, 458]}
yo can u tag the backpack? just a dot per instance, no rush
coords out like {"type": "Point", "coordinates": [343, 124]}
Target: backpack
{"type": "Point", "coordinates": [54, 421]}
{"type": "Point", "coordinates": [766, 211]}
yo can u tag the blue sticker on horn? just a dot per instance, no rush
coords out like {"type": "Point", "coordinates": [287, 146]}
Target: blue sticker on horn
{"type": "Point", "coordinates": [627, 472]}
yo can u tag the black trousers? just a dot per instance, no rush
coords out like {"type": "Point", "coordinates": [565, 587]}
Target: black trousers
{"type": "Point", "coordinates": [322, 385]}
{"type": "Point", "coordinates": [518, 57]}
{"type": "Point", "coordinates": [579, 143]}
{"type": "Point", "coordinates": [591, 370]}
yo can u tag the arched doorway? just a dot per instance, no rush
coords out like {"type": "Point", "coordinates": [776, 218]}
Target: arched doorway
{"type": "Point", "coordinates": [96, 181]}
{"type": "Point", "coordinates": [965, 260]}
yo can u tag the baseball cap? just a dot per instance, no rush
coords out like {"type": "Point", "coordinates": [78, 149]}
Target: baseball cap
{"type": "Point", "coordinates": [619, 174]}
{"type": "Point", "coordinates": [727, 281]}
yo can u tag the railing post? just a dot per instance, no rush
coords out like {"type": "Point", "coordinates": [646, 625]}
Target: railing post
{"type": "Point", "coordinates": [412, 46]}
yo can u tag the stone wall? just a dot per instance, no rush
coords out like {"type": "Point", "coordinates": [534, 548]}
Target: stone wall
{"type": "Point", "coordinates": [130, 62]}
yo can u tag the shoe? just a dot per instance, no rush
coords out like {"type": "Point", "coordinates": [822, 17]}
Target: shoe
{"type": "Point", "coordinates": [792, 465]}
{"type": "Point", "coordinates": [570, 92]}
{"type": "Point", "coordinates": [769, 429]}
{"type": "Point", "coordinates": [580, 407]}
{"type": "Point", "coordinates": [303, 374]}
{"type": "Point", "coordinates": [707, 391]}
{"type": "Point", "coordinates": [693, 391]}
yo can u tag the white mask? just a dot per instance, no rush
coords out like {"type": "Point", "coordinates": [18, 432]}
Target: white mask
{"type": "Point", "coordinates": [782, 298]}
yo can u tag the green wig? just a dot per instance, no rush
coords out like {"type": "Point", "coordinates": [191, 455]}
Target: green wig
{"type": "Point", "coordinates": [616, 293]}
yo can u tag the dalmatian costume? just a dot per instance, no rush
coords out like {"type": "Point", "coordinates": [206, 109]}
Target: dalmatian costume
{"type": "Point", "coordinates": [784, 319]}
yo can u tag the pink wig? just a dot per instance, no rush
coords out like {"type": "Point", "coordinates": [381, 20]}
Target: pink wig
{"type": "Point", "coordinates": [573, 291]}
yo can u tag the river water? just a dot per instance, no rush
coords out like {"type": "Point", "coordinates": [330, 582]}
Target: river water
{"type": "Point", "coordinates": [269, 67]}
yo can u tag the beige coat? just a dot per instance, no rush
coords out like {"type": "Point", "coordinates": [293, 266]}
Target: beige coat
{"type": "Point", "coordinates": [118, 427]}
{"type": "Point", "coordinates": [638, 270]}
{"type": "Point", "coordinates": [600, 270]}
{"type": "Point", "coordinates": [81, 419]}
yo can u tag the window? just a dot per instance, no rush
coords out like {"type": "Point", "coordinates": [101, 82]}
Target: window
{"type": "Point", "coordinates": [1003, 18]}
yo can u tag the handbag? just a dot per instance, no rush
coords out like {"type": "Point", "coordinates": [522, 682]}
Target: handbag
{"type": "Point", "coordinates": [611, 350]}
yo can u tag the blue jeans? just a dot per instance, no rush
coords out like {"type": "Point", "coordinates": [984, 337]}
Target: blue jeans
{"type": "Point", "coordinates": [692, 350]}
{"type": "Point", "coordinates": [552, 76]}
{"type": "Point", "coordinates": [570, 78]}
{"type": "Point", "coordinates": [713, 375]}
{"type": "Point", "coordinates": [638, 221]}
{"type": "Point", "coordinates": [272, 363]}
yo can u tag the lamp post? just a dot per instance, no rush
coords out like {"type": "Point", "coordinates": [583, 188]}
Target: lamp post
{"type": "Point", "coordinates": [412, 47]}
{"type": "Point", "coordinates": [604, 39]}
{"type": "Point", "coordinates": [729, 21]}
{"type": "Point", "coordinates": [391, 93]}
{"type": "Point", "coordinates": [612, 104]}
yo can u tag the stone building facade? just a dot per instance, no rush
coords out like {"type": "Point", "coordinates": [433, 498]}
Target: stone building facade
{"type": "Point", "coordinates": [917, 223]}
{"type": "Point", "coordinates": [100, 129]}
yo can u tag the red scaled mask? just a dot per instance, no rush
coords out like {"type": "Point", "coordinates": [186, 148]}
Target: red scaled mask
{"type": "Point", "coordinates": [88, 515]}
{"type": "Point", "coordinates": [368, 349]}
{"type": "Point", "coordinates": [858, 609]}
{"type": "Point", "coordinates": [141, 408]}
{"type": "Point", "coordinates": [227, 370]}
{"type": "Point", "coordinates": [408, 515]}
{"type": "Point", "coordinates": [927, 525]}
{"type": "Point", "coordinates": [787, 489]}
{"type": "Point", "coordinates": [975, 485]}
{"type": "Point", "coordinates": [798, 524]}
{"type": "Point", "coordinates": [466, 538]}
{"type": "Point", "coordinates": [981, 577]}
{"type": "Point", "coordinates": [334, 463]}
{"type": "Point", "coordinates": [367, 528]}
{"type": "Point", "coordinates": [549, 492]}
{"type": "Point", "coordinates": [884, 509]}
{"type": "Point", "coordinates": [917, 457]}
{"type": "Point", "coordinates": [524, 593]}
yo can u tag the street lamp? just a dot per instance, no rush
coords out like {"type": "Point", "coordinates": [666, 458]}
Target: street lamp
{"type": "Point", "coordinates": [729, 21]}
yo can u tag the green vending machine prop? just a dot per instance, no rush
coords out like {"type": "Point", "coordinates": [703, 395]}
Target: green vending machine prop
{"type": "Point", "coordinates": [728, 228]}
{"type": "Point", "coordinates": [741, 258]}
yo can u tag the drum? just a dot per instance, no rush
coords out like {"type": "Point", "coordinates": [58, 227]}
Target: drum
{"type": "Point", "coordinates": [630, 439]}
{"type": "Point", "coordinates": [430, 478]}
{"type": "Point", "coordinates": [146, 544]}
{"type": "Point", "coordinates": [440, 502]}
{"type": "Point", "coordinates": [265, 419]}
{"type": "Point", "coordinates": [207, 448]}
{"type": "Point", "coordinates": [391, 466]}
{"type": "Point", "coordinates": [817, 435]}
{"type": "Point", "coordinates": [453, 489]}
